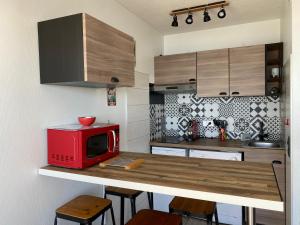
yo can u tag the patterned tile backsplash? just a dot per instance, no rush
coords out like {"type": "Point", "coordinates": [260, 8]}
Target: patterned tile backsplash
{"type": "Point", "coordinates": [243, 115]}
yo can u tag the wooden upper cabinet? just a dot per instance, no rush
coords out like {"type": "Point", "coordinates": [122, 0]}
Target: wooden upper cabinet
{"type": "Point", "coordinates": [175, 69]}
{"type": "Point", "coordinates": [247, 71]}
{"type": "Point", "coordinates": [80, 50]}
{"type": "Point", "coordinates": [109, 53]}
{"type": "Point", "coordinates": [213, 73]}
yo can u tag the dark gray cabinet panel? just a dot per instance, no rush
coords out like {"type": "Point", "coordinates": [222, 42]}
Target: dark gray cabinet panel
{"type": "Point", "coordinates": [61, 50]}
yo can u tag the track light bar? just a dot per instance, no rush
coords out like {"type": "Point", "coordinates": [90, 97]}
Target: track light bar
{"type": "Point", "coordinates": [199, 8]}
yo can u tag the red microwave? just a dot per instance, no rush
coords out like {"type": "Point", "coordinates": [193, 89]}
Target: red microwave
{"type": "Point", "coordinates": [76, 146]}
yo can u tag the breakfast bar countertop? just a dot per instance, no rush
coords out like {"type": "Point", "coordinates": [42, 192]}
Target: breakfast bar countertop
{"type": "Point", "coordinates": [210, 144]}
{"type": "Point", "coordinates": [247, 184]}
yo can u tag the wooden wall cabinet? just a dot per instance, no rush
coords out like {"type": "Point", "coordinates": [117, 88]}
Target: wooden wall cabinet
{"type": "Point", "coordinates": [276, 157]}
{"type": "Point", "coordinates": [247, 71]}
{"type": "Point", "coordinates": [80, 50]}
{"type": "Point", "coordinates": [213, 73]}
{"type": "Point", "coordinates": [175, 69]}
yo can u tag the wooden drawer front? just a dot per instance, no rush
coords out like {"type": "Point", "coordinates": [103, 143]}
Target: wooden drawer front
{"type": "Point", "coordinates": [175, 69]}
{"type": "Point", "coordinates": [109, 53]}
{"type": "Point", "coordinates": [213, 73]}
{"type": "Point", "coordinates": [247, 71]}
{"type": "Point", "coordinates": [264, 155]}
{"type": "Point", "coordinates": [268, 156]}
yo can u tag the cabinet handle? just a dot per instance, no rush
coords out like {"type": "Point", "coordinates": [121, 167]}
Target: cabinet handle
{"type": "Point", "coordinates": [235, 93]}
{"type": "Point", "coordinates": [276, 162]}
{"type": "Point", "coordinates": [172, 88]}
{"type": "Point", "coordinates": [192, 80]}
{"type": "Point", "coordinates": [223, 93]}
{"type": "Point", "coordinates": [115, 80]}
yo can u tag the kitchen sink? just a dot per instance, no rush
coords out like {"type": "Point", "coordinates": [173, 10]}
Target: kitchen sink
{"type": "Point", "coordinates": [263, 144]}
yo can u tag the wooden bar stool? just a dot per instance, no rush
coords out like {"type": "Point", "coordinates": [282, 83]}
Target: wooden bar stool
{"type": "Point", "coordinates": [194, 208]}
{"type": "Point", "coordinates": [131, 195]}
{"type": "Point", "coordinates": [153, 217]}
{"type": "Point", "coordinates": [84, 210]}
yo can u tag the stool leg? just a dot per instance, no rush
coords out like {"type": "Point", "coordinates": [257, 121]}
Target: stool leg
{"type": "Point", "coordinates": [209, 220]}
{"type": "Point", "coordinates": [133, 208]}
{"type": "Point", "coordinates": [122, 211]}
{"type": "Point", "coordinates": [55, 220]}
{"type": "Point", "coordinates": [216, 216]}
{"type": "Point", "coordinates": [113, 216]}
{"type": "Point", "coordinates": [150, 199]}
{"type": "Point", "coordinates": [102, 220]}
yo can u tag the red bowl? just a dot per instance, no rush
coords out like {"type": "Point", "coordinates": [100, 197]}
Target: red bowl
{"type": "Point", "coordinates": [86, 120]}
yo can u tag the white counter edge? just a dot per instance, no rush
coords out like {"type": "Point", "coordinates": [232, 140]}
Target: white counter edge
{"type": "Point", "coordinates": [214, 197]}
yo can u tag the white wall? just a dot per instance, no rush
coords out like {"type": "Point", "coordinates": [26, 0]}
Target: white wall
{"type": "Point", "coordinates": [27, 108]}
{"type": "Point", "coordinates": [225, 37]}
{"type": "Point", "coordinates": [295, 113]}
{"type": "Point", "coordinates": [286, 38]}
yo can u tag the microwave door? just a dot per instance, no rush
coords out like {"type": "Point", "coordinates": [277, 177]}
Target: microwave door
{"type": "Point", "coordinates": [97, 145]}
{"type": "Point", "coordinates": [113, 140]}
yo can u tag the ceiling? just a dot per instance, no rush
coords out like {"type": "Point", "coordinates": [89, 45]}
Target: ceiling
{"type": "Point", "coordinates": [156, 13]}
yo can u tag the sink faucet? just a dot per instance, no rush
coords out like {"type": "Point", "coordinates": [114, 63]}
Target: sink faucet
{"type": "Point", "coordinates": [262, 135]}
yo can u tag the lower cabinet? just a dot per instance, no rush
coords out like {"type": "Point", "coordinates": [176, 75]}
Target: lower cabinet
{"type": "Point", "coordinates": [228, 214]}
{"type": "Point", "coordinates": [276, 157]}
{"type": "Point", "coordinates": [160, 201]}
{"type": "Point", "coordinates": [231, 214]}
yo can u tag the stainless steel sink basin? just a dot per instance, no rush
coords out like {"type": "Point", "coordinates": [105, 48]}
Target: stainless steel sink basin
{"type": "Point", "coordinates": [263, 144]}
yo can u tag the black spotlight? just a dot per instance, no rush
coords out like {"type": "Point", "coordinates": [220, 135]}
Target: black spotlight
{"type": "Point", "coordinates": [206, 16]}
{"type": "Point", "coordinates": [175, 21]}
{"type": "Point", "coordinates": [222, 13]}
{"type": "Point", "coordinates": [189, 19]}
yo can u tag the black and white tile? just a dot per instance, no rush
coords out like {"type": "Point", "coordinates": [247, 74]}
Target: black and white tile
{"type": "Point", "coordinates": [243, 114]}
{"type": "Point", "coordinates": [156, 119]}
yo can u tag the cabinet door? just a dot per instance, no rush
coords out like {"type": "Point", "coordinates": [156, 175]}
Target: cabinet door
{"type": "Point", "coordinates": [247, 71]}
{"type": "Point", "coordinates": [175, 69]}
{"type": "Point", "coordinates": [267, 217]}
{"type": "Point", "coordinates": [109, 54]}
{"type": "Point", "coordinates": [228, 214]}
{"type": "Point", "coordinates": [213, 73]}
{"type": "Point", "coordinates": [161, 202]}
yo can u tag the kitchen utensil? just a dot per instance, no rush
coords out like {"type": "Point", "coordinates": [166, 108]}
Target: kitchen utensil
{"type": "Point", "coordinates": [275, 72]}
{"type": "Point", "coordinates": [221, 124]}
{"type": "Point", "coordinates": [86, 120]}
{"type": "Point", "coordinates": [126, 163]}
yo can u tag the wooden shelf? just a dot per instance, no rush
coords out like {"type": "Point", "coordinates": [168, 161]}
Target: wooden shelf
{"type": "Point", "coordinates": [274, 59]}
{"type": "Point", "coordinates": [274, 80]}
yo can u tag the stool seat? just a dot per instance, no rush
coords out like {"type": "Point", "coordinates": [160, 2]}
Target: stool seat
{"type": "Point", "coordinates": [131, 195]}
{"type": "Point", "coordinates": [84, 209]}
{"type": "Point", "coordinates": [195, 208]}
{"type": "Point", "coordinates": [151, 217]}
{"type": "Point", "coordinates": [192, 206]}
{"type": "Point", "coordinates": [127, 193]}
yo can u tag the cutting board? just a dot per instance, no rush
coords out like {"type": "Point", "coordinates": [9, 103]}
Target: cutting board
{"type": "Point", "coordinates": [126, 163]}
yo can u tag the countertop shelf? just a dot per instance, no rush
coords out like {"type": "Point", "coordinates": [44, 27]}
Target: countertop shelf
{"type": "Point", "coordinates": [211, 144]}
{"type": "Point", "coordinates": [234, 182]}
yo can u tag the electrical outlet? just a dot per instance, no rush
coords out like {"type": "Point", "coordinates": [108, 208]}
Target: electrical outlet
{"type": "Point", "coordinates": [208, 123]}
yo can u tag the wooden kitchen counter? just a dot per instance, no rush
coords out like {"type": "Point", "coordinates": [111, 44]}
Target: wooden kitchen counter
{"type": "Point", "coordinates": [240, 183]}
{"type": "Point", "coordinates": [211, 144]}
